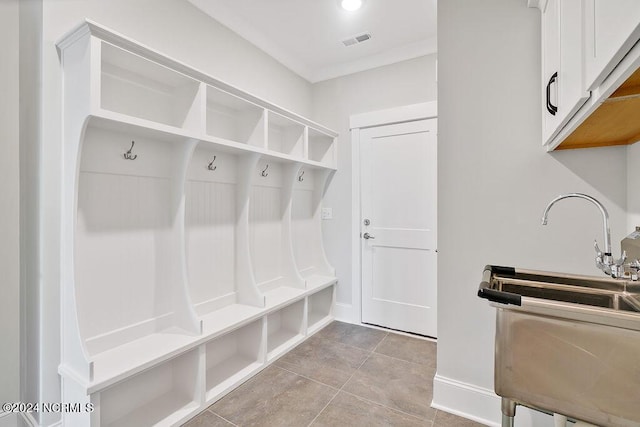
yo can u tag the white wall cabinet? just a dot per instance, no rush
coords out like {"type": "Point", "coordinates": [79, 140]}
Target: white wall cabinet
{"type": "Point", "coordinates": [562, 64]}
{"type": "Point", "coordinates": [583, 41]}
{"type": "Point", "coordinates": [612, 27]}
{"type": "Point", "coordinates": [192, 251]}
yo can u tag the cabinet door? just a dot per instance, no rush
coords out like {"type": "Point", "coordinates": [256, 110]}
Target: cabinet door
{"type": "Point", "coordinates": [612, 27]}
{"type": "Point", "coordinates": [550, 69]}
{"type": "Point", "coordinates": [562, 64]}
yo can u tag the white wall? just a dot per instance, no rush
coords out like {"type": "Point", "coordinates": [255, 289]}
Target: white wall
{"type": "Point", "coordinates": [334, 101]}
{"type": "Point", "coordinates": [495, 180]}
{"type": "Point", "coordinates": [175, 28]}
{"type": "Point", "coordinates": [633, 186]}
{"type": "Point", "coordinates": [9, 206]}
{"type": "Point", "coordinates": [30, 158]}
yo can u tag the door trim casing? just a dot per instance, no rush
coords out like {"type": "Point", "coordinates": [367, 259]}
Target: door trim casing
{"type": "Point", "coordinates": [407, 113]}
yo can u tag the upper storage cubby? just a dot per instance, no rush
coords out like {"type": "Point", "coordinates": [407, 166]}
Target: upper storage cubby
{"type": "Point", "coordinates": [142, 89]}
{"type": "Point", "coordinates": [234, 119]}
{"type": "Point", "coordinates": [286, 136]}
{"type": "Point", "coordinates": [322, 148]}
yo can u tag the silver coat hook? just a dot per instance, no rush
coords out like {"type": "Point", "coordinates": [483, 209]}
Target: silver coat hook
{"type": "Point", "coordinates": [300, 177]}
{"type": "Point", "coordinates": [264, 172]}
{"type": "Point", "coordinates": [128, 154]}
{"type": "Point", "coordinates": [210, 165]}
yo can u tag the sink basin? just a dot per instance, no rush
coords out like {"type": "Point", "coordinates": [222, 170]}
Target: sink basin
{"type": "Point", "coordinates": [508, 286]}
{"type": "Point", "coordinates": [616, 300]}
{"type": "Point", "coordinates": [566, 344]}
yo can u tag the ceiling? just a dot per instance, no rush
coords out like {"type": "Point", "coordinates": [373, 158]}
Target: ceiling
{"type": "Point", "coordinates": [306, 35]}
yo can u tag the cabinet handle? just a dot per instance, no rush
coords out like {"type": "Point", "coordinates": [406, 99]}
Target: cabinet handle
{"type": "Point", "coordinates": [552, 109]}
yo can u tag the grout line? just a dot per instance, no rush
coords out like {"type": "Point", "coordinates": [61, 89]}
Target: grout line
{"type": "Point", "coordinates": [325, 407]}
{"type": "Point", "coordinates": [339, 390]}
{"type": "Point", "coordinates": [220, 416]}
{"type": "Point", "coordinates": [378, 345]}
{"type": "Point", "coordinates": [373, 402]}
{"type": "Point", "coordinates": [308, 378]}
{"type": "Point", "coordinates": [349, 345]}
{"type": "Point", "coordinates": [407, 361]}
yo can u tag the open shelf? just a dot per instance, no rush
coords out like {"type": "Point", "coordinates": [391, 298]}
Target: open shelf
{"type": "Point", "coordinates": [284, 329]}
{"type": "Point", "coordinates": [320, 309]}
{"type": "Point", "coordinates": [163, 395]}
{"type": "Point", "coordinates": [232, 118]}
{"type": "Point", "coordinates": [232, 358]}
{"type": "Point", "coordinates": [285, 135]}
{"type": "Point", "coordinates": [322, 148]}
{"type": "Point", "coordinates": [128, 279]}
{"type": "Point", "coordinates": [137, 87]}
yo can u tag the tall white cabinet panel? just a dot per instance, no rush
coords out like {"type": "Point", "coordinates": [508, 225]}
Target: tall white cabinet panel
{"type": "Point", "coordinates": [562, 64]}
{"type": "Point", "coordinates": [612, 28]}
{"type": "Point", "coordinates": [192, 252]}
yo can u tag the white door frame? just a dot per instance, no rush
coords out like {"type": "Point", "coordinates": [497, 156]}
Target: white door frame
{"type": "Point", "coordinates": [408, 113]}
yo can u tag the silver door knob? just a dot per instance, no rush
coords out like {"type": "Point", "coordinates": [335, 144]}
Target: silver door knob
{"type": "Point", "coordinates": [368, 236]}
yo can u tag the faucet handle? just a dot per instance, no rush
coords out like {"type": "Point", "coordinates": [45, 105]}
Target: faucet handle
{"type": "Point", "coordinates": [622, 259]}
{"type": "Point", "coordinates": [595, 246]}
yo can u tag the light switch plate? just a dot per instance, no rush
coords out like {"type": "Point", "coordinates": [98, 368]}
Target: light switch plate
{"type": "Point", "coordinates": [326, 213]}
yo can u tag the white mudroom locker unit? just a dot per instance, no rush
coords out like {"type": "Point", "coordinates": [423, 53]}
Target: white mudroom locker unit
{"type": "Point", "coordinates": [192, 250]}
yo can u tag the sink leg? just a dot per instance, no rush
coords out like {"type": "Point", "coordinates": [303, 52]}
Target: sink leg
{"type": "Point", "coordinates": [507, 421]}
{"type": "Point", "coordinates": [508, 412]}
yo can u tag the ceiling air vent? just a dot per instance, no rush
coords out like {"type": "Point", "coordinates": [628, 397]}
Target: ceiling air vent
{"type": "Point", "coordinates": [356, 39]}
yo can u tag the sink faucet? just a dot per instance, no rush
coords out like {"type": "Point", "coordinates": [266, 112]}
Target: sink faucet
{"type": "Point", "coordinates": [604, 261]}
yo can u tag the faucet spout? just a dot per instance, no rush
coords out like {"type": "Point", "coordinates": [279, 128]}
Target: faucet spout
{"type": "Point", "coordinates": [603, 211]}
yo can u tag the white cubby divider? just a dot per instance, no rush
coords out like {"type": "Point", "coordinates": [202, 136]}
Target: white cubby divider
{"type": "Point", "coordinates": [134, 86]}
{"type": "Point", "coordinates": [320, 309]}
{"type": "Point", "coordinates": [285, 329]}
{"type": "Point", "coordinates": [232, 358]}
{"type": "Point", "coordinates": [191, 243]}
{"type": "Point", "coordinates": [322, 148]}
{"type": "Point", "coordinates": [234, 119]}
{"type": "Point", "coordinates": [285, 135]}
{"type": "Point", "coordinates": [165, 394]}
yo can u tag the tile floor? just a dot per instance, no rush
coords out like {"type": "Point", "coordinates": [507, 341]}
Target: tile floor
{"type": "Point", "coordinates": [345, 375]}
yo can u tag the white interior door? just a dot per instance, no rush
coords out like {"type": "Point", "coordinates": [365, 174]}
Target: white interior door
{"type": "Point", "coordinates": [398, 226]}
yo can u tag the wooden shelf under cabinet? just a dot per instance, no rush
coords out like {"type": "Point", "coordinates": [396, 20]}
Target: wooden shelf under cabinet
{"type": "Point", "coordinates": [615, 122]}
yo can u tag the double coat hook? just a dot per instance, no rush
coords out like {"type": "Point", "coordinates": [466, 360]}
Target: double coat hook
{"type": "Point", "coordinates": [128, 155]}
{"type": "Point", "coordinates": [210, 165]}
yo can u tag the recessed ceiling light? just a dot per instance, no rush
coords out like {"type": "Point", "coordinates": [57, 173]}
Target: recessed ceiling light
{"type": "Point", "coordinates": [351, 5]}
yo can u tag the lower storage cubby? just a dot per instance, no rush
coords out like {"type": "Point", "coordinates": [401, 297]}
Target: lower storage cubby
{"type": "Point", "coordinates": [319, 311]}
{"type": "Point", "coordinates": [284, 329]}
{"type": "Point", "coordinates": [233, 358]}
{"type": "Point", "coordinates": [163, 395]}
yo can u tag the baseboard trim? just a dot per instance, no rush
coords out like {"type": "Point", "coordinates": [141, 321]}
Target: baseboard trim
{"type": "Point", "coordinates": [466, 400]}
{"type": "Point", "coordinates": [344, 313]}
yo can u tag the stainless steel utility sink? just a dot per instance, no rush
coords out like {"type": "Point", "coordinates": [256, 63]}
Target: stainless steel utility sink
{"type": "Point", "coordinates": [566, 344]}
{"type": "Point", "coordinates": [613, 294]}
